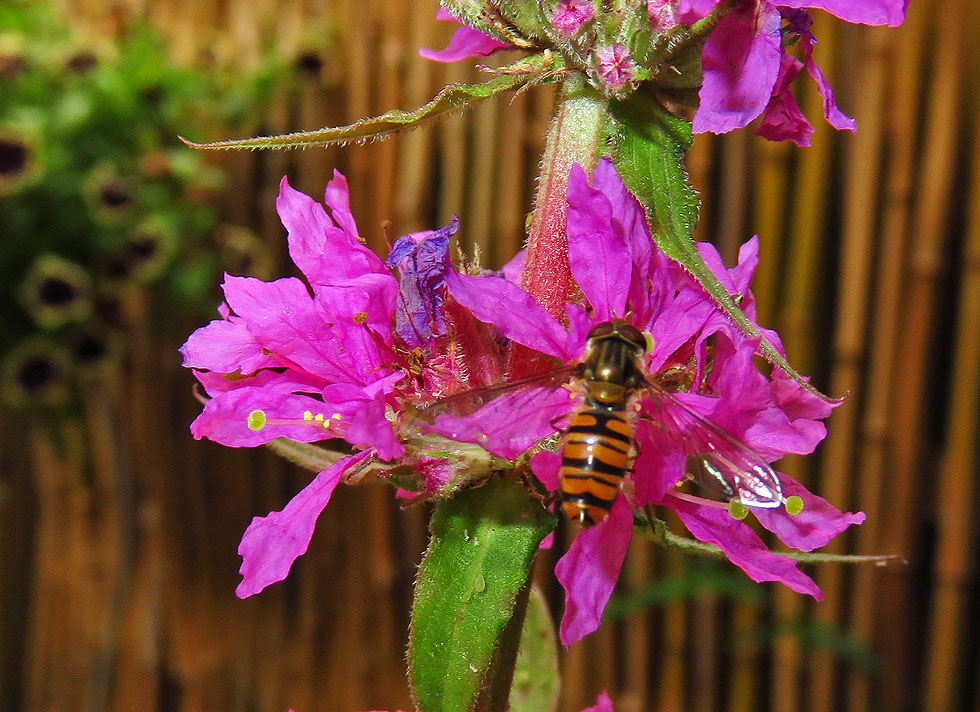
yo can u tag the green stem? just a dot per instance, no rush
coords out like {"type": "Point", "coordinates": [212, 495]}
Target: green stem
{"type": "Point", "coordinates": [657, 531]}
{"type": "Point", "coordinates": [495, 695]}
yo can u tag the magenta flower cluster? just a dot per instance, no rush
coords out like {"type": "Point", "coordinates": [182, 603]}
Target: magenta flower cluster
{"type": "Point", "coordinates": [746, 63]}
{"type": "Point", "coordinates": [342, 354]}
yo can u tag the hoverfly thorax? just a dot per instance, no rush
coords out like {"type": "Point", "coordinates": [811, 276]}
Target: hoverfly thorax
{"type": "Point", "coordinates": [611, 368]}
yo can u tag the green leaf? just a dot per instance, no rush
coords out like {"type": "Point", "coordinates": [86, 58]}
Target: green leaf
{"type": "Point", "coordinates": [452, 99]}
{"type": "Point", "coordinates": [536, 681]}
{"type": "Point", "coordinates": [482, 544]}
{"type": "Point", "coordinates": [648, 148]}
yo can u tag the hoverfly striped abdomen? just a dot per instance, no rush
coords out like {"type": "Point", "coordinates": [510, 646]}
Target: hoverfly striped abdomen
{"type": "Point", "coordinates": [597, 446]}
{"type": "Point", "coordinates": [595, 457]}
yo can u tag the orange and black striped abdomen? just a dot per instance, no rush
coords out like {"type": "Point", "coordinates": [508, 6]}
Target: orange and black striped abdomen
{"type": "Point", "coordinates": [594, 458]}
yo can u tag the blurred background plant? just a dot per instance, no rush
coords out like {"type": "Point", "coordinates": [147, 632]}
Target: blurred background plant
{"type": "Point", "coordinates": [99, 199]}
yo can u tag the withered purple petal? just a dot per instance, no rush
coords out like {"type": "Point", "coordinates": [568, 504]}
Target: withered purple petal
{"type": "Point", "coordinates": [422, 262]}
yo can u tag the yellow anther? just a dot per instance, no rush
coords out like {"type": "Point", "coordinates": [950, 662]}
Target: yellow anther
{"type": "Point", "coordinates": [319, 417]}
{"type": "Point", "coordinates": [256, 420]}
{"type": "Point", "coordinates": [335, 416]}
{"type": "Point", "coordinates": [794, 505]}
{"type": "Point", "coordinates": [737, 510]}
{"type": "Point", "coordinates": [307, 415]}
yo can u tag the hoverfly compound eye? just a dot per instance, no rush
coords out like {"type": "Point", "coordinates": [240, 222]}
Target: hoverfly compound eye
{"type": "Point", "coordinates": [633, 335]}
{"type": "Point", "coordinates": [603, 328]}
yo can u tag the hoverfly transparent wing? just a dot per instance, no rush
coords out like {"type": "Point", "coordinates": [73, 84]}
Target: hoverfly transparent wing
{"type": "Point", "coordinates": [716, 460]}
{"type": "Point", "coordinates": [469, 402]}
{"type": "Point", "coordinates": [505, 419]}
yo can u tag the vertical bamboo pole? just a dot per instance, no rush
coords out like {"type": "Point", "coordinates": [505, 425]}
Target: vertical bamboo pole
{"type": "Point", "coordinates": [954, 509]}
{"type": "Point", "coordinates": [799, 321]}
{"type": "Point", "coordinates": [850, 340]}
{"type": "Point", "coordinates": [902, 50]}
{"type": "Point", "coordinates": [913, 363]}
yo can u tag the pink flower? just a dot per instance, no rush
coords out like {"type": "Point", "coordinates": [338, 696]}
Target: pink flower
{"type": "Point", "coordinates": [615, 66]}
{"type": "Point", "coordinates": [320, 359]}
{"type": "Point", "coordinates": [745, 67]}
{"type": "Point", "coordinates": [570, 15]}
{"type": "Point", "coordinates": [620, 275]}
{"type": "Point", "coordinates": [747, 70]}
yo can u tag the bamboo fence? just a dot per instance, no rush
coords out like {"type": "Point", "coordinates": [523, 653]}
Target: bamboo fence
{"type": "Point", "coordinates": [118, 531]}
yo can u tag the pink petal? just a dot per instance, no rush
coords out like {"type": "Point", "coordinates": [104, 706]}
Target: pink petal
{"type": "Point", "coordinates": [691, 10]}
{"type": "Point", "coordinates": [660, 464]}
{"type": "Point", "coordinates": [283, 318]}
{"type": "Point", "coordinates": [835, 117]}
{"type": "Point", "coordinates": [510, 424]}
{"type": "Point", "coordinates": [681, 319]}
{"type": "Point", "coordinates": [546, 467]}
{"type": "Point", "coordinates": [866, 12]}
{"type": "Point", "coordinates": [597, 251]}
{"type": "Point", "coordinates": [514, 270]}
{"type": "Point", "coordinates": [570, 15]}
{"type": "Point", "coordinates": [629, 220]}
{"type": "Point", "coordinates": [370, 428]}
{"type": "Point", "coordinates": [814, 527]}
{"type": "Point", "coordinates": [740, 62]}
{"type": "Point", "coordinates": [337, 198]}
{"type": "Point", "coordinates": [466, 42]}
{"type": "Point", "coordinates": [225, 417]}
{"type": "Point", "coordinates": [579, 326]}
{"type": "Point", "coordinates": [783, 120]}
{"type": "Point", "coordinates": [226, 346]}
{"type": "Point", "coordinates": [516, 313]}
{"type": "Point", "coordinates": [743, 547]}
{"type": "Point", "coordinates": [589, 570]}
{"type": "Point", "coordinates": [272, 543]}
{"type": "Point", "coordinates": [603, 704]}
{"type": "Point", "coordinates": [325, 253]}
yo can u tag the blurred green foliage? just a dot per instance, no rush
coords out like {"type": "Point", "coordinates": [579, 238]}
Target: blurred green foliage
{"type": "Point", "coordinates": [98, 196]}
{"type": "Point", "coordinates": [721, 580]}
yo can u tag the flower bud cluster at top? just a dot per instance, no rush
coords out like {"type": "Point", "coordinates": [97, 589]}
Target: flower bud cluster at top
{"type": "Point", "coordinates": [614, 49]}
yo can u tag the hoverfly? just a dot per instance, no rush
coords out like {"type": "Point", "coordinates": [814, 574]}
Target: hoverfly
{"type": "Point", "coordinates": [599, 443]}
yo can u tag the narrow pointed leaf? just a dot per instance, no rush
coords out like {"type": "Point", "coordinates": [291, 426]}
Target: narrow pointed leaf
{"type": "Point", "coordinates": [649, 148]}
{"type": "Point", "coordinates": [451, 99]}
{"type": "Point", "coordinates": [482, 544]}
{"type": "Point", "coordinates": [536, 681]}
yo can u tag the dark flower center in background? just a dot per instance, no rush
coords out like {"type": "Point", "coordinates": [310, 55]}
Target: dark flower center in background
{"type": "Point", "coordinates": [117, 268]}
{"type": "Point", "coordinates": [114, 195]}
{"type": "Point", "coordinates": [141, 247]}
{"type": "Point", "coordinates": [13, 157]}
{"type": "Point", "coordinates": [82, 62]}
{"type": "Point", "coordinates": [35, 373]}
{"type": "Point", "coordinates": [56, 292]}
{"type": "Point", "coordinates": [89, 349]}
{"type": "Point", "coordinates": [13, 64]}
{"type": "Point", "coordinates": [309, 62]}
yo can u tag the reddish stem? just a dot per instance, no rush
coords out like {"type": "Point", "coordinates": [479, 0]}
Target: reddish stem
{"type": "Point", "coordinates": [573, 137]}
